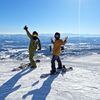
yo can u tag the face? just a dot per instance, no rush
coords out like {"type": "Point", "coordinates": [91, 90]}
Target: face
{"type": "Point", "coordinates": [57, 37]}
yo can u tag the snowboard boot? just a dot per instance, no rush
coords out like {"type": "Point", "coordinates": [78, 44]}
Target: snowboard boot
{"type": "Point", "coordinates": [52, 72]}
{"type": "Point", "coordinates": [33, 67]}
{"type": "Point", "coordinates": [59, 69]}
{"type": "Point", "coordinates": [64, 69]}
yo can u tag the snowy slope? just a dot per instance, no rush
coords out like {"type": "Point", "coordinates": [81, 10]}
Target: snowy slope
{"type": "Point", "coordinates": [83, 83]}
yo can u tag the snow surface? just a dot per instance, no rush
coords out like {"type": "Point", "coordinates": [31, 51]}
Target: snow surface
{"type": "Point", "coordinates": [83, 83]}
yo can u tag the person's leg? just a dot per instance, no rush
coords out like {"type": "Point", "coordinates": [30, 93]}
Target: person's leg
{"type": "Point", "coordinates": [53, 68]}
{"type": "Point", "coordinates": [59, 63]}
{"type": "Point", "coordinates": [31, 55]}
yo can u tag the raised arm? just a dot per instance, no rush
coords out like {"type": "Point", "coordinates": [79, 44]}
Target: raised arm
{"type": "Point", "coordinates": [28, 33]}
{"type": "Point", "coordinates": [65, 40]}
{"type": "Point", "coordinates": [52, 41]}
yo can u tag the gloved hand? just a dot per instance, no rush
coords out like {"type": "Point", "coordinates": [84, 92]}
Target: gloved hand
{"type": "Point", "coordinates": [52, 40]}
{"type": "Point", "coordinates": [25, 28]}
{"type": "Point", "coordinates": [39, 49]}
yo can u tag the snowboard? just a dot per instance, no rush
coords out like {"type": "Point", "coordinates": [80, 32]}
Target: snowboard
{"type": "Point", "coordinates": [48, 74]}
{"type": "Point", "coordinates": [23, 65]}
{"type": "Point", "coordinates": [62, 71]}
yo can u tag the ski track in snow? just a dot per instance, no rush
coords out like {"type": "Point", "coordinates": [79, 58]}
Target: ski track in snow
{"type": "Point", "coordinates": [83, 83]}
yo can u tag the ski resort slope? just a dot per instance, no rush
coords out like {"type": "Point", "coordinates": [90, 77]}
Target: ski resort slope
{"type": "Point", "coordinates": [82, 83]}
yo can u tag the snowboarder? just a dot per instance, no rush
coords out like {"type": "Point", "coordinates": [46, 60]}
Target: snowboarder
{"type": "Point", "coordinates": [34, 44]}
{"type": "Point", "coordinates": [56, 52]}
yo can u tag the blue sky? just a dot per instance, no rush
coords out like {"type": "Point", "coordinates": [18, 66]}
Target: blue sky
{"type": "Point", "coordinates": [49, 16]}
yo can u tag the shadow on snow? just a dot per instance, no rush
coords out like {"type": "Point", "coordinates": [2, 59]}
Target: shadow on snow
{"type": "Point", "coordinates": [9, 86]}
{"type": "Point", "coordinates": [43, 91]}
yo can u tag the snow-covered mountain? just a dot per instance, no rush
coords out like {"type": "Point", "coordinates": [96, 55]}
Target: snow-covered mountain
{"type": "Point", "coordinates": [16, 46]}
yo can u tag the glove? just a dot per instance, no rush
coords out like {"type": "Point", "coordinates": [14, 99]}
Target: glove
{"type": "Point", "coordinates": [52, 40]}
{"type": "Point", "coordinates": [39, 49]}
{"type": "Point", "coordinates": [25, 28]}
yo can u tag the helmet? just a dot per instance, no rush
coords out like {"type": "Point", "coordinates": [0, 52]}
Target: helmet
{"type": "Point", "coordinates": [57, 35]}
{"type": "Point", "coordinates": [35, 34]}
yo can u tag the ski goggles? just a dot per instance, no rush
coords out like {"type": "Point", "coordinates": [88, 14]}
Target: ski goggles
{"type": "Point", "coordinates": [35, 35]}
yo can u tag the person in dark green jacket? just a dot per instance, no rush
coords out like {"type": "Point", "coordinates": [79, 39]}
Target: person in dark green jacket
{"type": "Point", "coordinates": [34, 44]}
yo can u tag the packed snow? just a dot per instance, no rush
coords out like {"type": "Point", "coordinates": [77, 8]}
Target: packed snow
{"type": "Point", "coordinates": [82, 83]}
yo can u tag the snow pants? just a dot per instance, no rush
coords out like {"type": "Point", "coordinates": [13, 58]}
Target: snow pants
{"type": "Point", "coordinates": [31, 58]}
{"type": "Point", "coordinates": [55, 58]}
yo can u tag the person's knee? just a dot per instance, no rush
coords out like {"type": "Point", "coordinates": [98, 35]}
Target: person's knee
{"type": "Point", "coordinates": [52, 61]}
{"type": "Point", "coordinates": [58, 60]}
{"type": "Point", "coordinates": [30, 58]}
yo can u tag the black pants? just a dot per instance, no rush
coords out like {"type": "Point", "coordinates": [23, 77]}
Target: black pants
{"type": "Point", "coordinates": [55, 58]}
